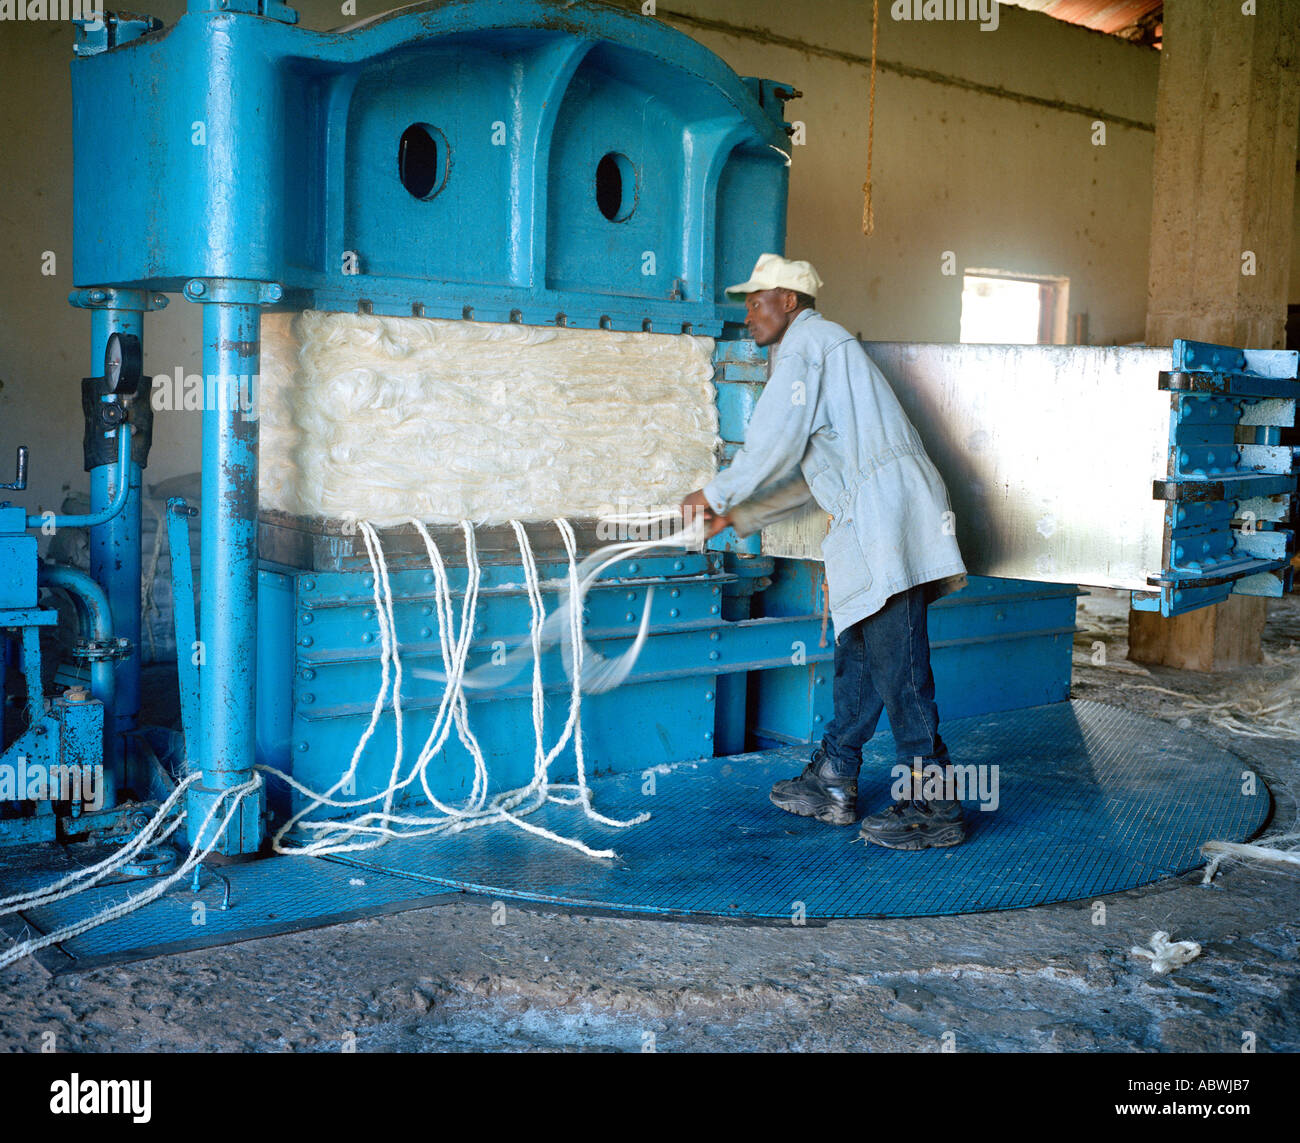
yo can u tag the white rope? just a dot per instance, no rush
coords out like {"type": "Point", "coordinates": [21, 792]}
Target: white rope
{"type": "Point", "coordinates": [377, 827]}
{"type": "Point", "coordinates": [510, 806]}
{"type": "Point", "coordinates": [331, 836]}
{"type": "Point", "coordinates": [48, 894]}
{"type": "Point", "coordinates": [131, 904]}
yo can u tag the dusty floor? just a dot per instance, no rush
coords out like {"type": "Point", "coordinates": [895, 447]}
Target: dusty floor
{"type": "Point", "coordinates": [1043, 979]}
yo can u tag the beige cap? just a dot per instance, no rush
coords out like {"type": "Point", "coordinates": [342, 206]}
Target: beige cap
{"type": "Point", "coordinates": [772, 272]}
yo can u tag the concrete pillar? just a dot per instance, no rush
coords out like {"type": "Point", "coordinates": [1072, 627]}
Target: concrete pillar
{"type": "Point", "coordinates": [1227, 114]}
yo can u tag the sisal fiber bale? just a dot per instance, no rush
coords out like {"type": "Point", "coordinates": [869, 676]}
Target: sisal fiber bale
{"type": "Point", "coordinates": [381, 419]}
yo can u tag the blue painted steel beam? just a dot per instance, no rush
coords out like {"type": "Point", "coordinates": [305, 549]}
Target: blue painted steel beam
{"type": "Point", "coordinates": [114, 521]}
{"type": "Point", "coordinates": [228, 544]}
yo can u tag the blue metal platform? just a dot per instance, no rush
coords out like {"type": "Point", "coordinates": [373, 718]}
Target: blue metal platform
{"type": "Point", "coordinates": [1093, 800]}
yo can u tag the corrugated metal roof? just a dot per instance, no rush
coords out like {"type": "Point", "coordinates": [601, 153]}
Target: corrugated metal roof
{"type": "Point", "coordinates": [1136, 20]}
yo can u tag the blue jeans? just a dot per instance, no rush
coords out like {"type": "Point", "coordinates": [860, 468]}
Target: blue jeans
{"type": "Point", "coordinates": [883, 663]}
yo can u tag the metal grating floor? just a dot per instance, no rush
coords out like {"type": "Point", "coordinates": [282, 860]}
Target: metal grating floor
{"type": "Point", "coordinates": [268, 897]}
{"type": "Point", "coordinates": [1093, 800]}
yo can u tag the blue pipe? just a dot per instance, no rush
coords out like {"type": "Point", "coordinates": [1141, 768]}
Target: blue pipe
{"type": "Point", "coordinates": [97, 621]}
{"type": "Point", "coordinates": [94, 519]}
{"type": "Point", "coordinates": [115, 563]}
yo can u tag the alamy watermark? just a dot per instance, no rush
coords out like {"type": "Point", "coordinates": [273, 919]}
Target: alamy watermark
{"type": "Point", "coordinates": [983, 11]}
{"type": "Point", "coordinates": [66, 782]}
{"type": "Point", "coordinates": [174, 392]}
{"type": "Point", "coordinates": [935, 783]}
{"type": "Point", "coordinates": [639, 522]}
{"type": "Point", "coordinates": [91, 12]}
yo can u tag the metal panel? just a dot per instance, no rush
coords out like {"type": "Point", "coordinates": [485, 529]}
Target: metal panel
{"type": "Point", "coordinates": [996, 645]}
{"type": "Point", "coordinates": [1048, 452]}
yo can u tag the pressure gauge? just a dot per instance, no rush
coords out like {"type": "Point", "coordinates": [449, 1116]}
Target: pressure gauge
{"type": "Point", "coordinates": [123, 364]}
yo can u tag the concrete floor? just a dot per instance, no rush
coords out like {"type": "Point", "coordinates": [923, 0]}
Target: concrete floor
{"type": "Point", "coordinates": [1043, 979]}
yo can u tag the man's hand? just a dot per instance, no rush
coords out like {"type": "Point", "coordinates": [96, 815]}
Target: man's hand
{"type": "Point", "coordinates": [696, 505]}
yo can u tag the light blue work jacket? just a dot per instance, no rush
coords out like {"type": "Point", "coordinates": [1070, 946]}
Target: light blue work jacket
{"type": "Point", "coordinates": [829, 428]}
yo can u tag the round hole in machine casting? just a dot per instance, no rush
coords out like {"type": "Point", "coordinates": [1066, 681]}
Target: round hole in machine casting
{"type": "Point", "coordinates": [616, 187]}
{"type": "Point", "coordinates": [422, 160]}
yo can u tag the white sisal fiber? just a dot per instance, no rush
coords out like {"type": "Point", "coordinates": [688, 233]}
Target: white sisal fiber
{"type": "Point", "coordinates": [1273, 853]}
{"type": "Point", "coordinates": [335, 836]}
{"type": "Point", "coordinates": [196, 856]}
{"type": "Point", "coordinates": [94, 874]}
{"type": "Point", "coordinates": [381, 419]}
{"type": "Point", "coordinates": [1166, 955]}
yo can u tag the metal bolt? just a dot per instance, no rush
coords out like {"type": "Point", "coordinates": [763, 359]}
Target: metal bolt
{"type": "Point", "coordinates": [634, 568]}
{"type": "Point", "coordinates": [708, 696]}
{"type": "Point", "coordinates": [307, 617]}
{"type": "Point", "coordinates": [309, 585]}
{"type": "Point", "coordinates": [675, 592]}
{"type": "Point", "coordinates": [714, 609]}
{"type": "Point", "coordinates": [674, 613]}
{"type": "Point", "coordinates": [428, 577]}
{"type": "Point", "coordinates": [713, 655]}
{"type": "Point", "coordinates": [819, 680]}
{"type": "Point", "coordinates": [97, 295]}
{"type": "Point", "coordinates": [308, 698]}
{"type": "Point", "coordinates": [305, 641]}
{"type": "Point", "coordinates": [631, 595]}
{"type": "Point", "coordinates": [713, 635]}
{"type": "Point", "coordinates": [198, 289]}
{"type": "Point", "coordinates": [425, 632]}
{"type": "Point", "coordinates": [308, 674]}
{"type": "Point", "coordinates": [708, 736]}
{"type": "Point", "coordinates": [426, 610]}
{"type": "Point", "coordinates": [368, 637]}
{"type": "Point", "coordinates": [367, 614]}
{"type": "Point", "coordinates": [677, 565]}
{"type": "Point", "coordinates": [303, 747]}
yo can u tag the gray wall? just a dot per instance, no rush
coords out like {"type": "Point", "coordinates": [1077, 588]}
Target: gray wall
{"type": "Point", "coordinates": [983, 147]}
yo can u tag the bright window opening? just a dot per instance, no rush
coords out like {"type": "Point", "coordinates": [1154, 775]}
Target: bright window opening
{"type": "Point", "coordinates": [1013, 309]}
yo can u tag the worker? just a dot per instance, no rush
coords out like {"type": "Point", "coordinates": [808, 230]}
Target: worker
{"type": "Point", "coordinates": [829, 429]}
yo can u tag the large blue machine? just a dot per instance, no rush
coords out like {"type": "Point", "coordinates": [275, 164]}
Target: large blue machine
{"type": "Point", "coordinates": [504, 161]}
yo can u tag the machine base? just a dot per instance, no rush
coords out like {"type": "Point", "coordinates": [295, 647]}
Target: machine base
{"type": "Point", "coordinates": [1091, 800]}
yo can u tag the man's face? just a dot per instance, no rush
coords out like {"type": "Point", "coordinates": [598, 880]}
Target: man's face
{"type": "Point", "coordinates": [769, 313]}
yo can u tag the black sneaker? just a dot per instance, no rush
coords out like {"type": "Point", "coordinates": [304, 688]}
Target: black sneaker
{"type": "Point", "coordinates": [915, 825]}
{"type": "Point", "coordinates": [817, 793]}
